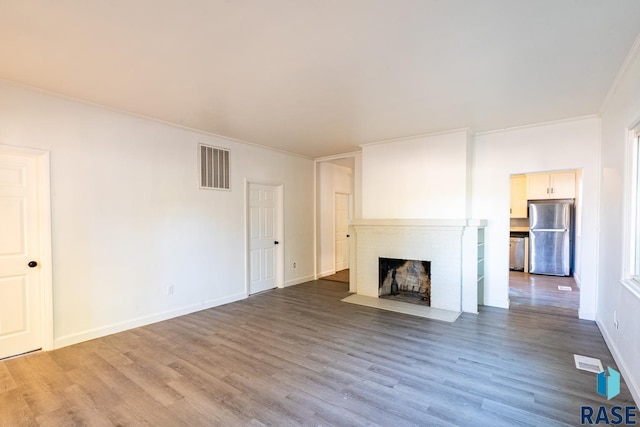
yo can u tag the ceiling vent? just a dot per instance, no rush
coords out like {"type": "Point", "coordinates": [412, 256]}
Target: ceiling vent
{"type": "Point", "coordinates": [214, 168]}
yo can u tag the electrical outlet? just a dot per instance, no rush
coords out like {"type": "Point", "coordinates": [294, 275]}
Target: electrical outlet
{"type": "Point", "coordinates": [170, 290]}
{"type": "Point", "coordinates": [294, 265]}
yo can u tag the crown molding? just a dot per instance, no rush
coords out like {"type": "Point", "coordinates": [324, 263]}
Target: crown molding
{"type": "Point", "coordinates": [631, 56]}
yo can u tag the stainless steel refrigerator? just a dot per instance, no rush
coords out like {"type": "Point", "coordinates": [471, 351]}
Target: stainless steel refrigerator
{"type": "Point", "coordinates": [550, 237]}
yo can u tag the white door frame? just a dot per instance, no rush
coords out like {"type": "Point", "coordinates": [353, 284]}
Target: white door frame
{"type": "Point", "coordinates": [44, 223]}
{"type": "Point", "coordinates": [280, 235]}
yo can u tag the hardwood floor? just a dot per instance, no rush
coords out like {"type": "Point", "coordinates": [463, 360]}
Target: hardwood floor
{"type": "Point", "coordinates": [540, 294]}
{"type": "Point", "coordinates": [340, 276]}
{"type": "Point", "coordinates": [300, 356]}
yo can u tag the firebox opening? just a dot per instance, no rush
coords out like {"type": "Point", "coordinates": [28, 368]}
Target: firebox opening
{"type": "Point", "coordinates": [405, 280]}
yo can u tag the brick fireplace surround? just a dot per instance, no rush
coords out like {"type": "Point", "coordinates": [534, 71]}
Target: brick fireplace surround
{"type": "Point", "coordinates": [454, 247]}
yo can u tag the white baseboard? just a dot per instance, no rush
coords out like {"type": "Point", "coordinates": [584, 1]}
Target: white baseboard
{"type": "Point", "coordinates": [634, 387]}
{"type": "Point", "coordinates": [497, 303]}
{"type": "Point", "coordinates": [586, 315]}
{"type": "Point", "coordinates": [298, 280]}
{"type": "Point", "coordinates": [577, 280]}
{"type": "Point", "coordinates": [326, 273]}
{"type": "Point", "coordinates": [113, 328]}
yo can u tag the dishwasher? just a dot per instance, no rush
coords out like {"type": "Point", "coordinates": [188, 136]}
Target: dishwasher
{"type": "Point", "coordinates": [517, 245]}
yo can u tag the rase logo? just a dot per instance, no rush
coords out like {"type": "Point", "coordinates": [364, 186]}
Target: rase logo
{"type": "Point", "coordinates": [609, 387]}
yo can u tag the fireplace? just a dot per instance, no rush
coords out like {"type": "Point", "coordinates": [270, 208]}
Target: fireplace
{"type": "Point", "coordinates": [405, 280]}
{"type": "Point", "coordinates": [453, 248]}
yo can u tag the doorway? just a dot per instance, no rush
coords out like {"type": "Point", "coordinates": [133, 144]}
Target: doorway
{"type": "Point", "coordinates": [545, 244]}
{"type": "Point", "coordinates": [264, 225]}
{"type": "Point", "coordinates": [336, 202]}
{"type": "Point", "coordinates": [26, 320]}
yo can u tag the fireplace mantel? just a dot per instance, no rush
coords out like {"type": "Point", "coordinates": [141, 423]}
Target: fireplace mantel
{"type": "Point", "coordinates": [455, 248]}
{"type": "Point", "coordinates": [420, 222]}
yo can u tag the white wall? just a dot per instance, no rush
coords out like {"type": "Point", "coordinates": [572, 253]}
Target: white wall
{"type": "Point", "coordinates": [357, 186]}
{"type": "Point", "coordinates": [422, 177]}
{"type": "Point", "coordinates": [621, 112]}
{"type": "Point", "coordinates": [331, 179]}
{"type": "Point", "coordinates": [577, 273]}
{"type": "Point", "coordinates": [128, 219]}
{"type": "Point", "coordinates": [563, 145]}
{"type": "Point", "coordinates": [434, 177]}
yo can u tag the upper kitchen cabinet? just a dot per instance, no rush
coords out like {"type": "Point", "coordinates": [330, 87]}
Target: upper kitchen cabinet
{"type": "Point", "coordinates": [556, 185]}
{"type": "Point", "coordinates": [518, 196]}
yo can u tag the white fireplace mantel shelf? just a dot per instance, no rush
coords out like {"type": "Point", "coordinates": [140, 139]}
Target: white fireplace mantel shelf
{"type": "Point", "coordinates": [421, 222]}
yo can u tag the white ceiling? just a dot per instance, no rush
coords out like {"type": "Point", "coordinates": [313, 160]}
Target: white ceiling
{"type": "Point", "coordinates": [320, 77]}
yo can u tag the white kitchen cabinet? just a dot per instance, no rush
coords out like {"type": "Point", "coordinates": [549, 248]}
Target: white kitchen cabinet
{"type": "Point", "coordinates": [556, 185]}
{"type": "Point", "coordinates": [563, 185]}
{"type": "Point", "coordinates": [518, 196]}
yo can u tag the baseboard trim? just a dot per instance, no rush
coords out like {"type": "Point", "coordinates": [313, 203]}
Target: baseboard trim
{"type": "Point", "coordinates": [497, 303]}
{"type": "Point", "coordinates": [634, 388]}
{"type": "Point", "coordinates": [298, 281]}
{"type": "Point", "coordinates": [577, 280]}
{"type": "Point", "coordinates": [113, 328]}
{"type": "Point", "coordinates": [586, 315]}
{"type": "Point", "coordinates": [326, 273]}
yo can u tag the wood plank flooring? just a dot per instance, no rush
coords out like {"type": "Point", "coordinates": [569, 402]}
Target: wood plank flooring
{"type": "Point", "coordinates": [299, 356]}
{"type": "Point", "coordinates": [540, 294]}
{"type": "Point", "coordinates": [340, 276]}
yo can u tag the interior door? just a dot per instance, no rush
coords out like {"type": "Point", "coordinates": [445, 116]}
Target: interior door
{"type": "Point", "coordinates": [342, 228]}
{"type": "Point", "coordinates": [263, 237]}
{"type": "Point", "coordinates": [20, 284]}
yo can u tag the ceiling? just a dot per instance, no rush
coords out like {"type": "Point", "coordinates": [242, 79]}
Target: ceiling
{"type": "Point", "coordinates": [321, 77]}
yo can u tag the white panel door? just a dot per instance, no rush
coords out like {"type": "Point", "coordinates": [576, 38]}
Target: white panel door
{"type": "Point", "coordinates": [263, 237]}
{"type": "Point", "coordinates": [20, 287]}
{"type": "Point", "coordinates": [342, 227]}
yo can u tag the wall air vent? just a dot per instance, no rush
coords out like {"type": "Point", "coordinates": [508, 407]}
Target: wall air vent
{"type": "Point", "coordinates": [214, 168]}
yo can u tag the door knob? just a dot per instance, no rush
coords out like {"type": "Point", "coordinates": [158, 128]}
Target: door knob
{"type": "Point", "coordinates": [276, 243]}
{"type": "Point", "coordinates": [32, 264]}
